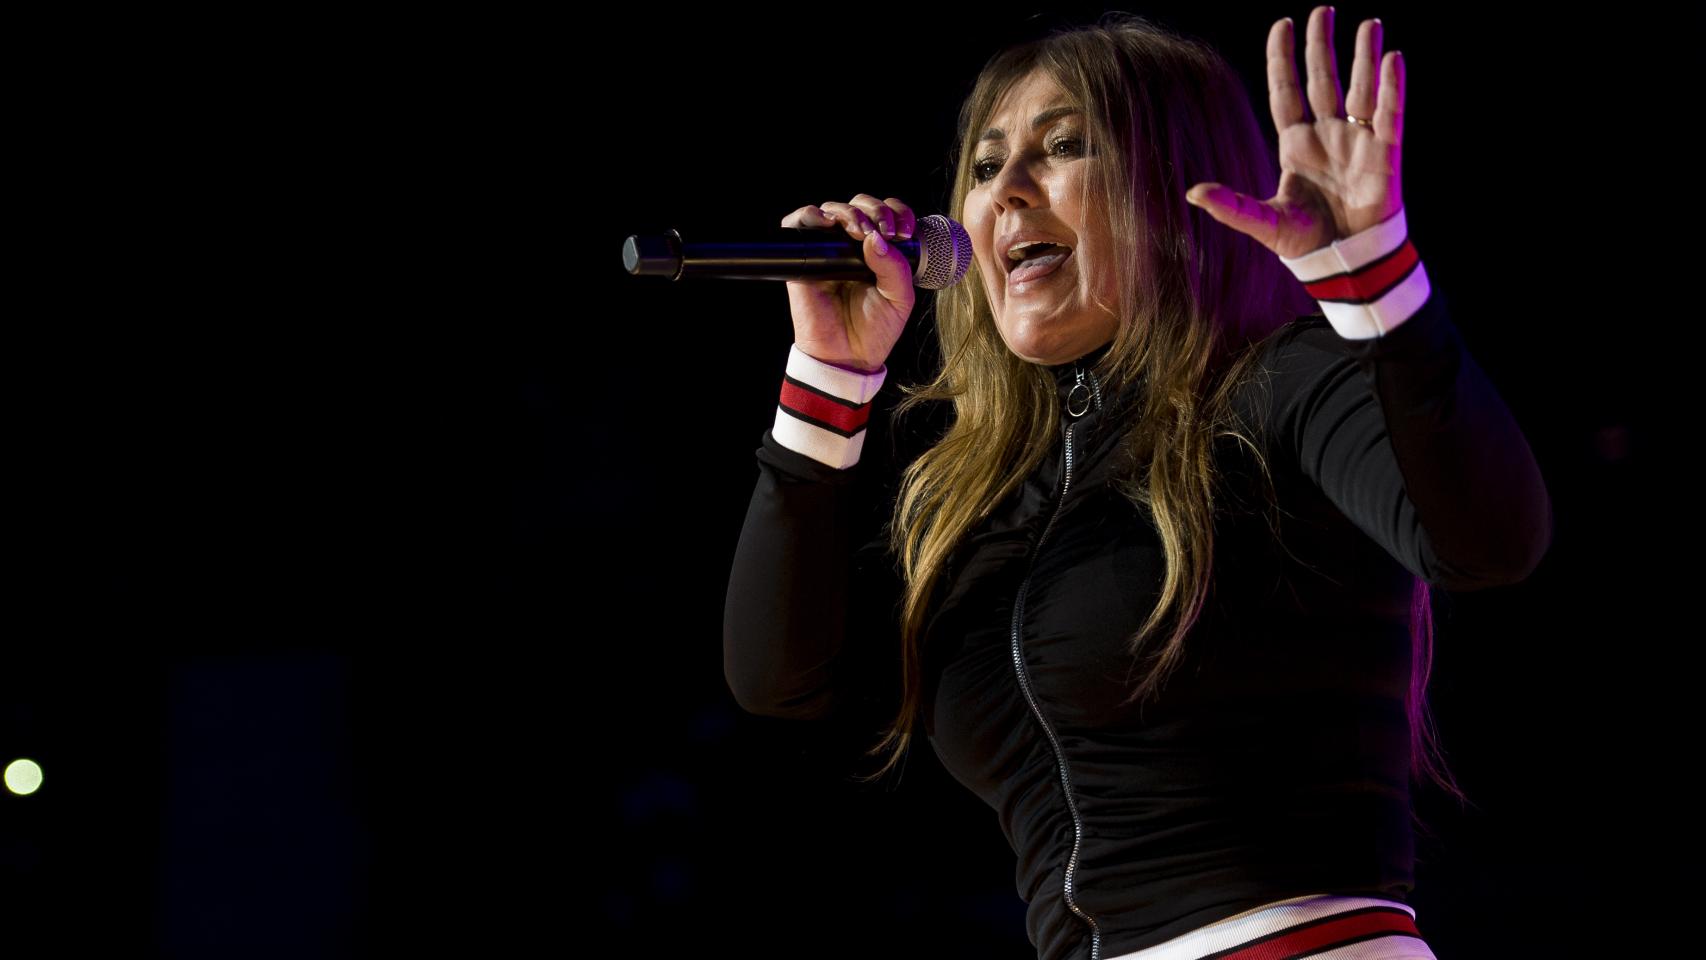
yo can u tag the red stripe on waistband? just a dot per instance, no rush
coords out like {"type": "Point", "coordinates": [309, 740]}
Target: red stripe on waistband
{"type": "Point", "coordinates": [1315, 936]}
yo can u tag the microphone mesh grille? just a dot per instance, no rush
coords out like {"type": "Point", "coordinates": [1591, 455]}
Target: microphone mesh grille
{"type": "Point", "coordinates": [944, 250]}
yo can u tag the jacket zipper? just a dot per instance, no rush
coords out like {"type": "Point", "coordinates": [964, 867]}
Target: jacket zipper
{"type": "Point", "coordinates": [1025, 681]}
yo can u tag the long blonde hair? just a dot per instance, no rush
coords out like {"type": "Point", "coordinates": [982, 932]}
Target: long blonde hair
{"type": "Point", "coordinates": [1164, 112]}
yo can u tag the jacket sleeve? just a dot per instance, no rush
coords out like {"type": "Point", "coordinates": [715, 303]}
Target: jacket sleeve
{"type": "Point", "coordinates": [808, 618]}
{"type": "Point", "coordinates": [1385, 411]}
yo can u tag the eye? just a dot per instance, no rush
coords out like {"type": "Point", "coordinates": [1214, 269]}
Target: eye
{"type": "Point", "coordinates": [979, 175]}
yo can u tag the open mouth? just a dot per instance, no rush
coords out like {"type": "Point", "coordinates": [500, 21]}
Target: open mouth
{"type": "Point", "coordinates": [1043, 260]}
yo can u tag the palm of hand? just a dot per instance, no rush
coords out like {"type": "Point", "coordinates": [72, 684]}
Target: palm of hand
{"type": "Point", "coordinates": [1338, 177]}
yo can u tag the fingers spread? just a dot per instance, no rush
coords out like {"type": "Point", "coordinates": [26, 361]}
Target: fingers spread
{"type": "Point", "coordinates": [1325, 97]}
{"type": "Point", "coordinates": [1360, 98]}
{"type": "Point", "coordinates": [1284, 100]}
{"type": "Point", "coordinates": [1389, 117]}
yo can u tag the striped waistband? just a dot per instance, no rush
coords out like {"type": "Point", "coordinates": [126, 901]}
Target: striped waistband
{"type": "Point", "coordinates": [1321, 927]}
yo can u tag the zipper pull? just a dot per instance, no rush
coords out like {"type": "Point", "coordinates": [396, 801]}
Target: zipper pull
{"type": "Point", "coordinates": [1078, 400]}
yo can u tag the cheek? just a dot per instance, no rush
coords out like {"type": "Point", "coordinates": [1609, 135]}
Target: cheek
{"type": "Point", "coordinates": [994, 287]}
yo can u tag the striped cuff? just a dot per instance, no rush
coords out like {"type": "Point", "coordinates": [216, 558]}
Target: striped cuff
{"type": "Point", "coordinates": [1367, 283]}
{"type": "Point", "coordinates": [824, 408]}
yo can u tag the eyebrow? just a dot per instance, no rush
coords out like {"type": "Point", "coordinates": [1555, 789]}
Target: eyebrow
{"type": "Point", "coordinates": [1052, 113]}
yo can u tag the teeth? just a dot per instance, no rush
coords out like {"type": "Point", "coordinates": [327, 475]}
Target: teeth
{"type": "Point", "coordinates": [1016, 254]}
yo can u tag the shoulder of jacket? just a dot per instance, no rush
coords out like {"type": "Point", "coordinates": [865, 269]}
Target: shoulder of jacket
{"type": "Point", "coordinates": [1311, 330]}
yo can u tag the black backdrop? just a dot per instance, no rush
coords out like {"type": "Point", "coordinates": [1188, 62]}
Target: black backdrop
{"type": "Point", "coordinates": [370, 525]}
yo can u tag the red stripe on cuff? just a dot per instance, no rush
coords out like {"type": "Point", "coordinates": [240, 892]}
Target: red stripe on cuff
{"type": "Point", "coordinates": [819, 407]}
{"type": "Point", "coordinates": [1319, 936]}
{"type": "Point", "coordinates": [1366, 285]}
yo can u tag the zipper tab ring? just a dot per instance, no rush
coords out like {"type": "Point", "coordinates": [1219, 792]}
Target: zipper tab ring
{"type": "Point", "coordinates": [1078, 401]}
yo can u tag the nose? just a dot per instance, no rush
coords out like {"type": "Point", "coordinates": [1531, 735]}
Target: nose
{"type": "Point", "coordinates": [1014, 187]}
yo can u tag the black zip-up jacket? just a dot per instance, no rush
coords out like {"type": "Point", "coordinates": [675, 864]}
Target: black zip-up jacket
{"type": "Point", "coordinates": [1275, 763]}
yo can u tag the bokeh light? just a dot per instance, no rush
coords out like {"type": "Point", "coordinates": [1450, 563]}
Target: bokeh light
{"type": "Point", "coordinates": [23, 777]}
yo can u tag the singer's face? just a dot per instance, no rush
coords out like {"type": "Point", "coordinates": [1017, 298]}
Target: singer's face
{"type": "Point", "coordinates": [1032, 178]}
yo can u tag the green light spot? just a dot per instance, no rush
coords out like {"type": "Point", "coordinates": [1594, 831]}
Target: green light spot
{"type": "Point", "coordinates": [23, 777]}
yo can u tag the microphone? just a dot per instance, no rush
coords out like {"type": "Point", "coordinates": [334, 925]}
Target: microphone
{"type": "Point", "coordinates": [939, 251]}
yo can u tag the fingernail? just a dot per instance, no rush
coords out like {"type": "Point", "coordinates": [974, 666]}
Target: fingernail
{"type": "Point", "coordinates": [882, 245]}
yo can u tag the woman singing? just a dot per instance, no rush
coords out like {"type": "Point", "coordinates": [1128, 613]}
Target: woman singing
{"type": "Point", "coordinates": [1159, 593]}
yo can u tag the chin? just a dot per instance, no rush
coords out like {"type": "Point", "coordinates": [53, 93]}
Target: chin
{"type": "Point", "coordinates": [1041, 354]}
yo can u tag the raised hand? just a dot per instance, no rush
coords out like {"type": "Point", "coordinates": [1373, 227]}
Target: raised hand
{"type": "Point", "coordinates": [1339, 174]}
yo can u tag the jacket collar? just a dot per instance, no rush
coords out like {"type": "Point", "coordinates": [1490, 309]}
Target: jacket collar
{"type": "Point", "coordinates": [1066, 376]}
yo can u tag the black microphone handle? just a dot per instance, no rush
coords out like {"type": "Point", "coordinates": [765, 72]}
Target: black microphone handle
{"type": "Point", "coordinates": [779, 253]}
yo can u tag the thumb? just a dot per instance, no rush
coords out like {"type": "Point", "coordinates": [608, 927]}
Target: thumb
{"type": "Point", "coordinates": [1243, 213]}
{"type": "Point", "coordinates": [893, 270]}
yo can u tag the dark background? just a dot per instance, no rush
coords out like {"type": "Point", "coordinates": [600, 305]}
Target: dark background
{"type": "Point", "coordinates": [370, 526]}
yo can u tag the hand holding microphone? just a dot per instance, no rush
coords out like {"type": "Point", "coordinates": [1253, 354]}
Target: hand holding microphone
{"type": "Point", "coordinates": [849, 299]}
{"type": "Point", "coordinates": [851, 323]}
